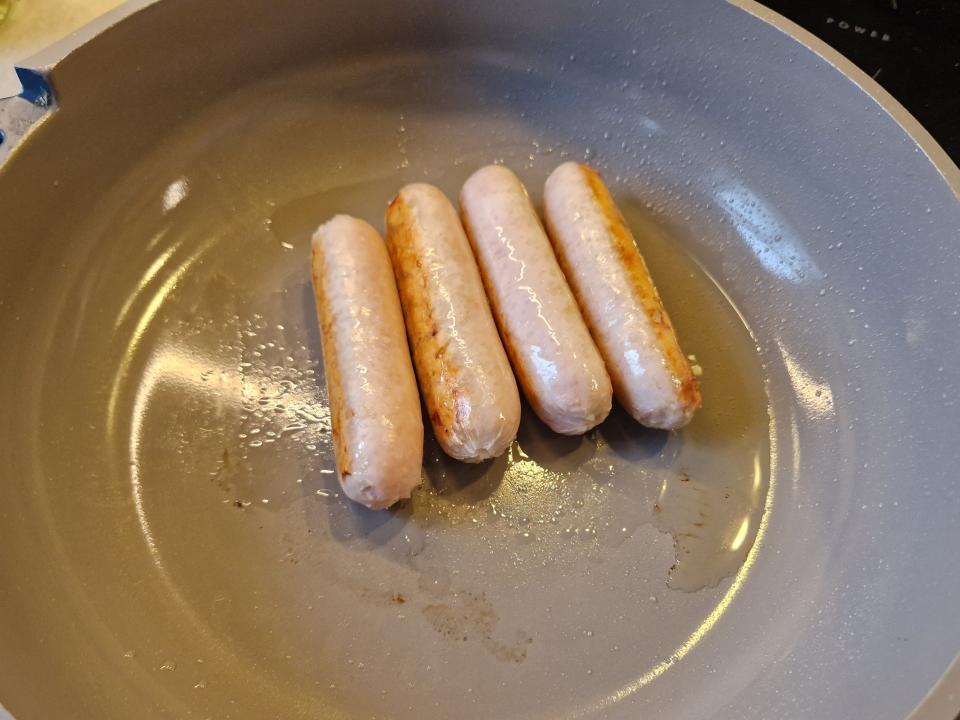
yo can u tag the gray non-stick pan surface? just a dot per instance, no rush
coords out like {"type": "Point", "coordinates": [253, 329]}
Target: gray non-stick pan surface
{"type": "Point", "coordinates": [174, 543]}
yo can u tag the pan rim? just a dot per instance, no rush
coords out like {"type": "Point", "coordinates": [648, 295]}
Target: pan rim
{"type": "Point", "coordinates": [943, 699]}
{"type": "Point", "coordinates": [937, 156]}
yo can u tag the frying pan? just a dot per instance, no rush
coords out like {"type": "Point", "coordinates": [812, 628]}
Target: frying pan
{"type": "Point", "coordinates": [173, 540]}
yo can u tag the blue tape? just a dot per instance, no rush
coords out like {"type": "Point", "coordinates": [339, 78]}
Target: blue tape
{"type": "Point", "coordinates": [36, 87]}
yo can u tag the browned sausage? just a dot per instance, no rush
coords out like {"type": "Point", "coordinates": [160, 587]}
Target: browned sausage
{"type": "Point", "coordinates": [651, 375]}
{"type": "Point", "coordinates": [464, 374]}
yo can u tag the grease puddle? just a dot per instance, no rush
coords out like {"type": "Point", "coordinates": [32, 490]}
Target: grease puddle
{"type": "Point", "coordinates": [714, 496]}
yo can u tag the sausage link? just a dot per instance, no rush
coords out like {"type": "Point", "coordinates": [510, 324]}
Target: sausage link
{"type": "Point", "coordinates": [374, 406]}
{"type": "Point", "coordinates": [651, 376]}
{"type": "Point", "coordinates": [465, 377]}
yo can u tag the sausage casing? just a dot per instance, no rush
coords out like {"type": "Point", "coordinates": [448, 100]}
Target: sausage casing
{"type": "Point", "coordinates": [465, 377]}
{"type": "Point", "coordinates": [555, 360]}
{"type": "Point", "coordinates": [651, 375]}
{"type": "Point", "coordinates": [374, 406]}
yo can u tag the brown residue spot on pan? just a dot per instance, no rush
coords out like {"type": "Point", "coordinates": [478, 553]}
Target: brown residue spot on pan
{"type": "Point", "coordinates": [381, 597]}
{"type": "Point", "coordinates": [469, 616]}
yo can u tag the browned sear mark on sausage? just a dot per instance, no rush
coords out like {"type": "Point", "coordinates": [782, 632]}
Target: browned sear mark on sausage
{"type": "Point", "coordinates": [332, 371]}
{"type": "Point", "coordinates": [644, 291]}
{"type": "Point", "coordinates": [434, 370]}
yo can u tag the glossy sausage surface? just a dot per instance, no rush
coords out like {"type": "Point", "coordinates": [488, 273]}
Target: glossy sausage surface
{"type": "Point", "coordinates": [374, 405]}
{"type": "Point", "coordinates": [555, 360]}
{"type": "Point", "coordinates": [465, 377]}
{"type": "Point", "coordinates": [651, 375]}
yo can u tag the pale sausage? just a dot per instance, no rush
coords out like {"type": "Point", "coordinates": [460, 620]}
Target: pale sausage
{"type": "Point", "coordinates": [374, 407]}
{"type": "Point", "coordinates": [554, 358]}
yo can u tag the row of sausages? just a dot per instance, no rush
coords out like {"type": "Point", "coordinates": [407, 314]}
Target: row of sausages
{"type": "Point", "coordinates": [571, 308]}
